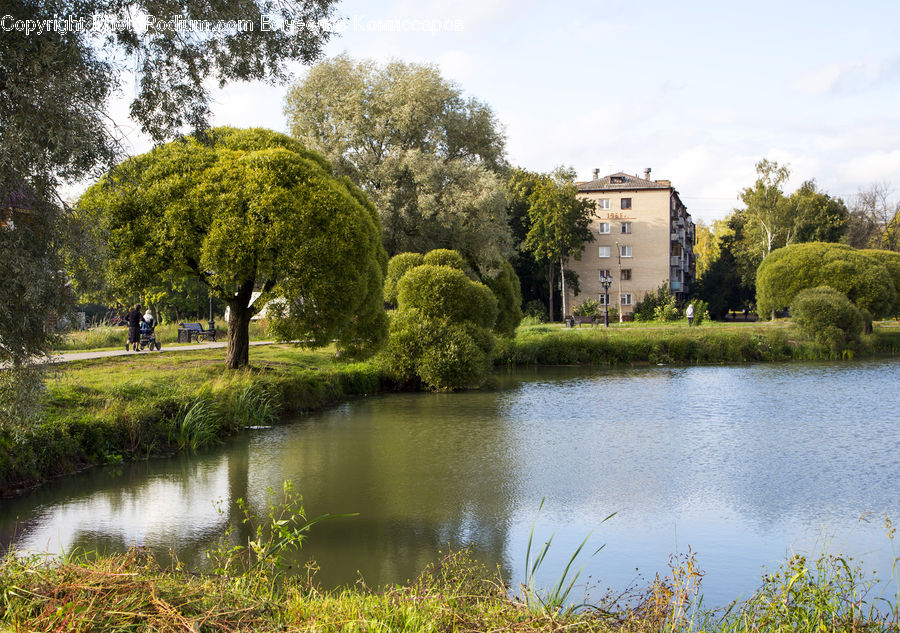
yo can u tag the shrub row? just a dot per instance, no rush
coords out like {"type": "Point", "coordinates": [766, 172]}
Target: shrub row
{"type": "Point", "coordinates": [693, 347]}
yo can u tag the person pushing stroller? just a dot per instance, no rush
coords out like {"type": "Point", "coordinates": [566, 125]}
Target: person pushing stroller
{"type": "Point", "coordinates": [134, 320]}
{"type": "Point", "coordinates": [148, 335]}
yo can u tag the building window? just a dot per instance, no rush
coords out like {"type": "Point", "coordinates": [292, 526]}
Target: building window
{"type": "Point", "coordinates": [602, 299]}
{"type": "Point", "coordinates": [603, 203]}
{"type": "Point", "coordinates": [604, 272]}
{"type": "Point", "coordinates": [604, 228]}
{"type": "Point", "coordinates": [625, 251]}
{"type": "Point", "coordinates": [604, 251]}
{"type": "Point", "coordinates": [626, 274]}
{"type": "Point", "coordinates": [626, 227]}
{"type": "Point", "coordinates": [625, 299]}
{"type": "Point", "coordinates": [626, 203]}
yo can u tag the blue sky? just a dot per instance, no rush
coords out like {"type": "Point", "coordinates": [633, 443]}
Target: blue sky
{"type": "Point", "coordinates": [698, 91]}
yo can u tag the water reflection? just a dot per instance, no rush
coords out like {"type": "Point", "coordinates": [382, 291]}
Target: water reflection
{"type": "Point", "coordinates": [740, 463]}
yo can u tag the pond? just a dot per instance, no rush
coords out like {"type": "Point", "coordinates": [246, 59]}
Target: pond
{"type": "Point", "coordinates": [741, 464]}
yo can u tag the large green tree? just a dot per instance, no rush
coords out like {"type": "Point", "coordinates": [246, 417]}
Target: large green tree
{"type": "Point", "coordinates": [54, 127]}
{"type": "Point", "coordinates": [431, 160]}
{"type": "Point", "coordinates": [558, 223]}
{"type": "Point", "coordinates": [244, 211]}
{"type": "Point", "coordinates": [787, 271]}
{"type": "Point", "coordinates": [769, 219]}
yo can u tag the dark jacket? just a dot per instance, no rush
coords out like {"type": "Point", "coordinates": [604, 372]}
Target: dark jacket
{"type": "Point", "coordinates": [134, 318]}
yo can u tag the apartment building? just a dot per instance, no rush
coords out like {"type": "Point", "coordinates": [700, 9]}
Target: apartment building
{"type": "Point", "coordinates": [643, 238]}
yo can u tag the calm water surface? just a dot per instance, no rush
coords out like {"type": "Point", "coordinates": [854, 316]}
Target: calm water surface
{"type": "Point", "coordinates": [741, 464]}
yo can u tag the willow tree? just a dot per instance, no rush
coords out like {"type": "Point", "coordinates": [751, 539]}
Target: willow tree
{"type": "Point", "coordinates": [431, 159]}
{"type": "Point", "coordinates": [244, 211]}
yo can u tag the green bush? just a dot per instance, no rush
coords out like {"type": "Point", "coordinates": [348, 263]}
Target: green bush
{"type": "Point", "coordinates": [536, 310]}
{"type": "Point", "coordinates": [504, 283]}
{"type": "Point", "coordinates": [827, 316]}
{"type": "Point", "coordinates": [441, 291]}
{"type": "Point", "coordinates": [397, 267]}
{"type": "Point", "coordinates": [440, 334]}
{"type": "Point", "coordinates": [701, 311]}
{"type": "Point", "coordinates": [667, 311]}
{"type": "Point", "coordinates": [453, 360]}
{"type": "Point", "coordinates": [891, 261]}
{"type": "Point", "coordinates": [445, 257]}
{"type": "Point", "coordinates": [588, 308]}
{"type": "Point", "coordinates": [787, 271]}
{"type": "Point", "coordinates": [645, 309]}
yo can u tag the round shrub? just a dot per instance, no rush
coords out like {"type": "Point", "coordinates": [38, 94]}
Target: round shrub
{"type": "Point", "coordinates": [440, 354]}
{"type": "Point", "coordinates": [588, 308]}
{"type": "Point", "coordinates": [452, 361]}
{"type": "Point", "coordinates": [827, 316]}
{"type": "Point", "coordinates": [441, 291]}
{"type": "Point", "coordinates": [445, 257]}
{"type": "Point", "coordinates": [396, 268]}
{"type": "Point", "coordinates": [508, 292]}
{"type": "Point", "coordinates": [786, 271]}
{"type": "Point", "coordinates": [891, 261]}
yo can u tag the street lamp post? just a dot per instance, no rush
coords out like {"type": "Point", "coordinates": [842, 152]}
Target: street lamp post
{"type": "Point", "coordinates": [606, 282]}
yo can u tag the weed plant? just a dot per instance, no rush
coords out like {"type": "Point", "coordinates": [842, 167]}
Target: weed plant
{"type": "Point", "coordinates": [133, 592]}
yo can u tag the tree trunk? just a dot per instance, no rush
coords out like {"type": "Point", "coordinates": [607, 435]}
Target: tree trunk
{"type": "Point", "coordinates": [562, 278]}
{"type": "Point", "coordinates": [238, 354]}
{"type": "Point", "coordinates": [550, 283]}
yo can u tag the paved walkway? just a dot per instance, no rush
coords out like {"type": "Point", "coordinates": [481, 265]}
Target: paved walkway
{"type": "Point", "coordinates": [67, 357]}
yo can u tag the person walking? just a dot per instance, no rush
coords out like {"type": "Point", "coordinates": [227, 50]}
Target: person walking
{"type": "Point", "coordinates": [689, 313]}
{"type": "Point", "coordinates": [134, 319]}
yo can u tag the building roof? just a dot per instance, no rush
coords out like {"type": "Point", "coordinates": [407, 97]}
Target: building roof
{"type": "Point", "coordinates": [622, 181]}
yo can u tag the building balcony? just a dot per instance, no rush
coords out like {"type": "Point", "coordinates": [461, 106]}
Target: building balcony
{"type": "Point", "coordinates": [675, 286]}
{"type": "Point", "coordinates": [675, 260]}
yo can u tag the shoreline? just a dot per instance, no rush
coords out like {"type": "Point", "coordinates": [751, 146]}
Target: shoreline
{"type": "Point", "coordinates": [114, 419]}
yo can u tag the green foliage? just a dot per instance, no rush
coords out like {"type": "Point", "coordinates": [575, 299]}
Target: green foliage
{"type": "Point", "coordinates": [441, 291]}
{"type": "Point", "coordinates": [827, 316]}
{"type": "Point", "coordinates": [667, 311]}
{"type": "Point", "coordinates": [646, 309]}
{"type": "Point", "coordinates": [891, 261]}
{"type": "Point", "coordinates": [245, 210]}
{"type": "Point", "coordinates": [504, 283]}
{"type": "Point", "coordinates": [701, 311]}
{"type": "Point", "coordinates": [283, 529]}
{"type": "Point", "coordinates": [588, 308]}
{"type": "Point", "coordinates": [558, 220]}
{"type": "Point", "coordinates": [440, 333]}
{"type": "Point", "coordinates": [536, 310]}
{"type": "Point", "coordinates": [430, 159]}
{"type": "Point", "coordinates": [553, 601]}
{"type": "Point", "coordinates": [397, 267]}
{"type": "Point", "coordinates": [787, 271]}
{"type": "Point", "coordinates": [445, 257]}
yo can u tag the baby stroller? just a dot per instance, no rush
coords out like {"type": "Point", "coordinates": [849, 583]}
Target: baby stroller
{"type": "Point", "coordinates": [148, 333]}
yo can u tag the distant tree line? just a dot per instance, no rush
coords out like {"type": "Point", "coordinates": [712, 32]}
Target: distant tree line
{"type": "Point", "coordinates": [730, 252]}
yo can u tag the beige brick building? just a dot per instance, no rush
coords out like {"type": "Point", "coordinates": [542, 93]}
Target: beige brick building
{"type": "Point", "coordinates": [643, 237]}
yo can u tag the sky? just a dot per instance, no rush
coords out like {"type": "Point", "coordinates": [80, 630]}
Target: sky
{"type": "Point", "coordinates": [697, 91]}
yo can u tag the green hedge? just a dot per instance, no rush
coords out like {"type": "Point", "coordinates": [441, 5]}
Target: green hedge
{"type": "Point", "coordinates": [787, 271]}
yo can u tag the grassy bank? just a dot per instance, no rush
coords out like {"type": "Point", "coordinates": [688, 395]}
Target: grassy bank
{"type": "Point", "coordinates": [135, 406]}
{"type": "Point", "coordinates": [129, 407]}
{"type": "Point", "coordinates": [132, 592]}
{"type": "Point", "coordinates": [649, 343]}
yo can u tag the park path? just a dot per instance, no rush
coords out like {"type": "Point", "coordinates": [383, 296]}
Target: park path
{"type": "Point", "coordinates": [68, 357]}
